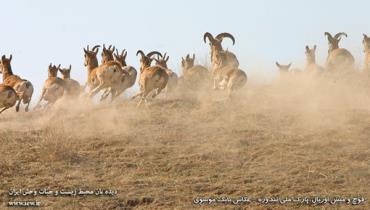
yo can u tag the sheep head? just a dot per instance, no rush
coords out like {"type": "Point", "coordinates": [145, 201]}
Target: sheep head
{"type": "Point", "coordinates": [53, 70]}
{"type": "Point", "coordinates": [188, 62]}
{"type": "Point", "coordinates": [5, 63]}
{"type": "Point", "coordinates": [121, 58]}
{"type": "Point", "coordinates": [334, 41]}
{"type": "Point", "coordinates": [90, 56]}
{"type": "Point", "coordinates": [283, 68]}
{"type": "Point", "coordinates": [311, 54]}
{"type": "Point", "coordinates": [366, 43]}
{"type": "Point", "coordinates": [107, 54]}
{"type": "Point", "coordinates": [146, 60]}
{"type": "Point", "coordinates": [162, 60]}
{"type": "Point", "coordinates": [215, 42]}
{"type": "Point", "coordinates": [66, 72]}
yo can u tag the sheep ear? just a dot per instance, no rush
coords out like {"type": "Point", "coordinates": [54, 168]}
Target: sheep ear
{"type": "Point", "coordinates": [277, 64]}
{"type": "Point", "coordinates": [307, 48]}
{"type": "Point", "coordinates": [365, 36]}
{"type": "Point", "coordinates": [314, 47]}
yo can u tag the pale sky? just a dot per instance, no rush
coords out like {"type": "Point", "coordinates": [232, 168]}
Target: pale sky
{"type": "Point", "coordinates": [38, 32]}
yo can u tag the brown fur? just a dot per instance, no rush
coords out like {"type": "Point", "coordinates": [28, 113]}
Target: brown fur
{"type": "Point", "coordinates": [229, 59]}
{"type": "Point", "coordinates": [193, 75]}
{"type": "Point", "coordinates": [23, 88]}
{"type": "Point", "coordinates": [54, 87]}
{"type": "Point", "coordinates": [215, 45]}
{"type": "Point", "coordinates": [338, 58]}
{"type": "Point", "coordinates": [8, 97]}
{"type": "Point", "coordinates": [103, 76]}
{"type": "Point", "coordinates": [227, 75]}
{"type": "Point", "coordinates": [172, 76]}
{"type": "Point", "coordinates": [107, 54]}
{"type": "Point", "coordinates": [366, 44]}
{"type": "Point", "coordinates": [73, 87]}
{"type": "Point", "coordinates": [283, 69]}
{"type": "Point", "coordinates": [311, 65]}
{"type": "Point", "coordinates": [151, 77]}
{"type": "Point", "coordinates": [127, 77]}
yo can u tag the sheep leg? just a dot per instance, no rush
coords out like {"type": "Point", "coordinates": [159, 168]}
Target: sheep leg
{"type": "Point", "coordinates": [114, 95]}
{"type": "Point", "coordinates": [42, 97]}
{"type": "Point", "coordinates": [27, 107]}
{"type": "Point", "coordinates": [146, 103]}
{"type": "Point", "coordinates": [118, 93]}
{"type": "Point", "coordinates": [18, 105]}
{"type": "Point", "coordinates": [96, 90]}
{"type": "Point", "coordinates": [105, 94]}
{"type": "Point", "coordinates": [136, 95]}
{"type": "Point", "coordinates": [143, 98]}
{"type": "Point", "coordinates": [157, 92]}
{"type": "Point", "coordinates": [215, 84]}
{"type": "Point", "coordinates": [5, 108]}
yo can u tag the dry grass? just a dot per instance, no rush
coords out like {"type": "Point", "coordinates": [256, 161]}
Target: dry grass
{"type": "Point", "coordinates": [295, 137]}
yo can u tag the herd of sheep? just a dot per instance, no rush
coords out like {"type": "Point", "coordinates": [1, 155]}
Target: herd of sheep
{"type": "Point", "coordinates": [113, 76]}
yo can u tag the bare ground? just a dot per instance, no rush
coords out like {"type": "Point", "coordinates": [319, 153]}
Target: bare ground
{"type": "Point", "coordinates": [294, 137]}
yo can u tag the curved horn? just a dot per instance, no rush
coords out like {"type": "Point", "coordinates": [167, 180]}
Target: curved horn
{"type": "Point", "coordinates": [154, 53]}
{"type": "Point", "coordinates": [193, 56]}
{"type": "Point", "coordinates": [70, 67]}
{"type": "Point", "coordinates": [87, 48]}
{"type": "Point", "coordinates": [209, 36]}
{"type": "Point", "coordinates": [328, 35]}
{"type": "Point", "coordinates": [117, 54]}
{"type": "Point", "coordinates": [337, 36]}
{"type": "Point", "coordinates": [141, 53]}
{"type": "Point", "coordinates": [95, 47]}
{"type": "Point", "coordinates": [123, 52]}
{"type": "Point", "coordinates": [221, 36]}
{"type": "Point", "coordinates": [10, 57]}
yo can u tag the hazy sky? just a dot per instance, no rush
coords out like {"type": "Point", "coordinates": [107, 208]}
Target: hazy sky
{"type": "Point", "coordinates": [38, 32]}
